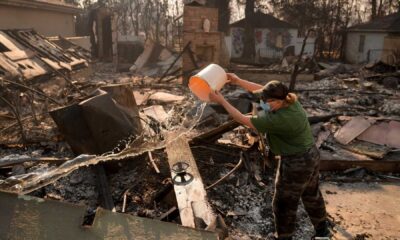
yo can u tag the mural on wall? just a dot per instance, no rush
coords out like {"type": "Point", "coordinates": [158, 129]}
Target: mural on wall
{"type": "Point", "coordinates": [278, 39]}
{"type": "Point", "coordinates": [258, 36]}
{"type": "Point", "coordinates": [237, 42]}
{"type": "Point", "coordinates": [272, 43]}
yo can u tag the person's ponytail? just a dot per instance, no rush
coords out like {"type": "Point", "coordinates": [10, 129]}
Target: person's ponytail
{"type": "Point", "coordinates": [291, 98]}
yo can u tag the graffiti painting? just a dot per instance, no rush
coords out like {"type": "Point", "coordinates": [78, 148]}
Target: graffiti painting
{"type": "Point", "coordinates": [237, 42]}
{"type": "Point", "coordinates": [278, 39]}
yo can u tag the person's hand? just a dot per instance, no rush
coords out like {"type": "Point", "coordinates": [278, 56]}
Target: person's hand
{"type": "Point", "coordinates": [216, 96]}
{"type": "Point", "coordinates": [233, 78]}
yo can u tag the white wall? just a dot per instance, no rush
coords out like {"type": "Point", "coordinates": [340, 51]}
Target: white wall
{"type": "Point", "coordinates": [308, 48]}
{"type": "Point", "coordinates": [48, 23]}
{"type": "Point", "coordinates": [228, 44]}
{"type": "Point", "coordinates": [373, 44]}
{"type": "Point", "coordinates": [266, 43]}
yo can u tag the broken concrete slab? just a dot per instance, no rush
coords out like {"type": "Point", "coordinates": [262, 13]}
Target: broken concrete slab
{"type": "Point", "coordinates": [352, 129]}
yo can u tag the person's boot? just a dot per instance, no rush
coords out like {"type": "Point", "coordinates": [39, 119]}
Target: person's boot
{"type": "Point", "coordinates": [323, 231]}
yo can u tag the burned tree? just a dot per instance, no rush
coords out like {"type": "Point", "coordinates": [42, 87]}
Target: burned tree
{"type": "Point", "coordinates": [330, 18]}
{"type": "Point", "coordinates": [249, 48]}
{"type": "Point", "coordinates": [383, 7]}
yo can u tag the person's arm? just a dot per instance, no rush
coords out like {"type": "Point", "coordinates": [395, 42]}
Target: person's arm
{"type": "Point", "coordinates": [249, 86]}
{"type": "Point", "coordinates": [235, 114]}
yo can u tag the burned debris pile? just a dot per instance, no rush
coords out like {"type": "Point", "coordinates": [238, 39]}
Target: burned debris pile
{"type": "Point", "coordinates": [119, 131]}
{"type": "Point", "coordinates": [140, 143]}
{"type": "Point", "coordinates": [27, 55]}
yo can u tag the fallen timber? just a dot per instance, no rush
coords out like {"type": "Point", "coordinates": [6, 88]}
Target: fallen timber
{"type": "Point", "coordinates": [191, 195]}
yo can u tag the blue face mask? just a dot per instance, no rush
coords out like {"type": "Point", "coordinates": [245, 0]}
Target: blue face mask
{"type": "Point", "coordinates": [265, 106]}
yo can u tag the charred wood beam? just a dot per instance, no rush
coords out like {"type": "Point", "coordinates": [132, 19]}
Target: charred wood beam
{"type": "Point", "coordinates": [216, 132]}
{"type": "Point", "coordinates": [373, 165]}
{"type": "Point", "coordinates": [171, 214]}
{"type": "Point", "coordinates": [323, 118]}
{"type": "Point", "coordinates": [105, 197]}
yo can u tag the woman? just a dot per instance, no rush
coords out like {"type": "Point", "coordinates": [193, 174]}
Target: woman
{"type": "Point", "coordinates": [289, 135]}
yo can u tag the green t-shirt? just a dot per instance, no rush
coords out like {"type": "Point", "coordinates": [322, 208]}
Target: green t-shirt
{"type": "Point", "coordinates": [288, 129]}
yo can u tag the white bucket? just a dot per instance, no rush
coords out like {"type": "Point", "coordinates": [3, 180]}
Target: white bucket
{"type": "Point", "coordinates": [211, 78]}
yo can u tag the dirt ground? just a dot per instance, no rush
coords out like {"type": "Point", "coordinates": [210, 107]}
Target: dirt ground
{"type": "Point", "coordinates": [364, 210]}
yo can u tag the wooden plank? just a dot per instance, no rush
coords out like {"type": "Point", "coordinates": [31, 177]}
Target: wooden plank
{"type": "Point", "coordinates": [343, 164]}
{"type": "Point", "coordinates": [103, 187]}
{"type": "Point", "coordinates": [192, 197]}
{"type": "Point", "coordinates": [342, 159]}
{"type": "Point", "coordinates": [17, 55]}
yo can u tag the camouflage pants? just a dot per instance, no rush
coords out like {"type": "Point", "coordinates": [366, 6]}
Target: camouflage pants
{"type": "Point", "coordinates": [297, 177]}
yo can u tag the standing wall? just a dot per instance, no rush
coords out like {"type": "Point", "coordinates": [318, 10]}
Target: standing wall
{"type": "Point", "coordinates": [47, 23]}
{"type": "Point", "coordinates": [372, 50]}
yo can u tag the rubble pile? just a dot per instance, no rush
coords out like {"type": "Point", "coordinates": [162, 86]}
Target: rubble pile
{"type": "Point", "coordinates": [136, 176]}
